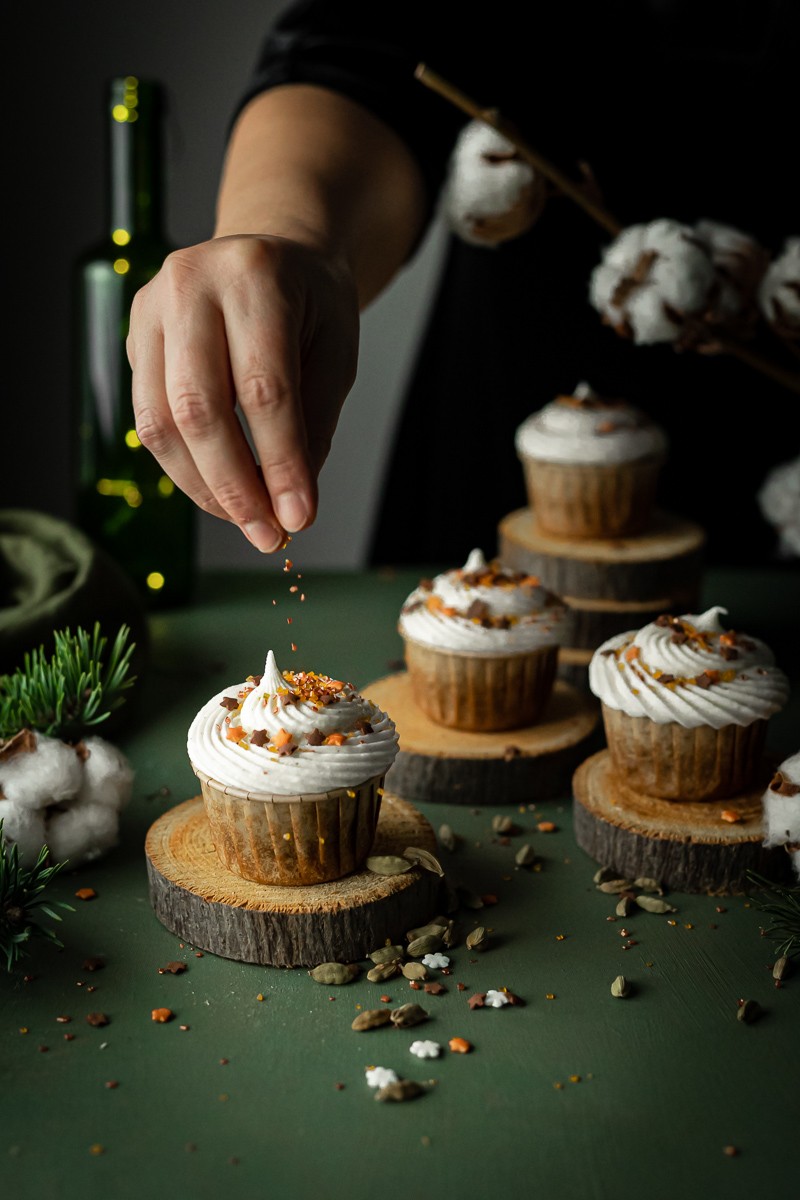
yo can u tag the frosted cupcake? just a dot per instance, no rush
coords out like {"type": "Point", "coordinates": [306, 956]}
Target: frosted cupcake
{"type": "Point", "coordinates": [686, 704]}
{"type": "Point", "coordinates": [481, 646]}
{"type": "Point", "coordinates": [591, 465]}
{"type": "Point", "coordinates": [291, 767]}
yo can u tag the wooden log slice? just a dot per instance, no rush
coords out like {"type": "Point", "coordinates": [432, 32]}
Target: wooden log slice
{"type": "Point", "coordinates": [592, 622]}
{"type": "Point", "coordinates": [688, 847]}
{"type": "Point", "coordinates": [455, 766]}
{"type": "Point", "coordinates": [195, 897]}
{"type": "Point", "coordinates": [665, 561]}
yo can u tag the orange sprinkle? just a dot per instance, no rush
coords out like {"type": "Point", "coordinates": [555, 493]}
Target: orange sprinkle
{"type": "Point", "coordinates": [631, 653]}
{"type": "Point", "coordinates": [235, 733]}
{"type": "Point", "coordinates": [351, 793]}
{"type": "Point", "coordinates": [335, 685]}
{"type": "Point", "coordinates": [489, 898]}
{"type": "Point", "coordinates": [162, 1015]}
{"type": "Point", "coordinates": [288, 620]}
{"type": "Point", "coordinates": [460, 1045]}
{"type": "Point", "coordinates": [260, 996]}
{"type": "Point", "coordinates": [546, 827]}
{"type": "Point", "coordinates": [727, 639]}
{"type": "Point", "coordinates": [730, 815]}
{"type": "Point", "coordinates": [86, 893]}
{"type": "Point", "coordinates": [287, 564]}
{"type": "Point", "coordinates": [334, 739]}
{"type": "Point", "coordinates": [282, 738]}
{"type": "Point", "coordinates": [574, 1078]}
{"type": "Point", "coordinates": [293, 646]}
{"type": "Point", "coordinates": [97, 1149]}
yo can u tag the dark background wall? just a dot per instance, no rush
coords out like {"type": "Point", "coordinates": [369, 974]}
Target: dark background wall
{"type": "Point", "coordinates": [59, 63]}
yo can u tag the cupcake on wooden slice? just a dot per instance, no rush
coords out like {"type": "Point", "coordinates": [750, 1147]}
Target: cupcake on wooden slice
{"type": "Point", "coordinates": [481, 645]}
{"type": "Point", "coordinates": [291, 766]}
{"type": "Point", "coordinates": [686, 704]}
{"type": "Point", "coordinates": [591, 465]}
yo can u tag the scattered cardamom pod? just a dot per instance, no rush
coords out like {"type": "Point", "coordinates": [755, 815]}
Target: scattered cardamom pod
{"type": "Point", "coordinates": [477, 939]}
{"type": "Point", "coordinates": [401, 1089]}
{"type": "Point", "coordinates": [424, 858]}
{"type": "Point", "coordinates": [433, 929]}
{"type": "Point", "coordinates": [604, 874]}
{"type": "Point", "coordinates": [383, 972]}
{"type": "Point", "coordinates": [407, 1015]}
{"type": "Point", "coordinates": [428, 944]}
{"type": "Point", "coordinates": [625, 906]}
{"type": "Point", "coordinates": [450, 935]}
{"type": "Point", "coordinates": [385, 954]}
{"type": "Point", "coordinates": [333, 973]}
{"type": "Point", "coordinates": [447, 838]}
{"type": "Point", "coordinates": [388, 864]}
{"type": "Point", "coordinates": [749, 1011]}
{"type": "Point", "coordinates": [782, 968]}
{"type": "Point", "coordinates": [645, 884]}
{"type": "Point", "coordinates": [502, 824]}
{"type": "Point", "coordinates": [654, 905]}
{"type": "Point", "coordinates": [614, 886]}
{"type": "Point", "coordinates": [620, 987]}
{"type": "Point", "coordinates": [525, 856]}
{"type": "Point", "coordinates": [414, 970]}
{"type": "Point", "coordinates": [371, 1018]}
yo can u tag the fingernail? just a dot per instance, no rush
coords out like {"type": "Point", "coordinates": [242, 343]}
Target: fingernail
{"type": "Point", "coordinates": [291, 510]}
{"type": "Point", "coordinates": [264, 537]}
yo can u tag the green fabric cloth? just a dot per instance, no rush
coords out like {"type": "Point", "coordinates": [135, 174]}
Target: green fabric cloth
{"type": "Point", "coordinates": [52, 577]}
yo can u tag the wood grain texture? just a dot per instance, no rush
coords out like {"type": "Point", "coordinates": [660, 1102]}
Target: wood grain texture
{"type": "Point", "coordinates": [687, 846]}
{"type": "Point", "coordinates": [464, 767]}
{"type": "Point", "coordinates": [665, 561]}
{"type": "Point", "coordinates": [195, 897]}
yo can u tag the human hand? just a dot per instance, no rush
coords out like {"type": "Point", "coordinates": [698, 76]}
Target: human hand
{"type": "Point", "coordinates": [264, 321]}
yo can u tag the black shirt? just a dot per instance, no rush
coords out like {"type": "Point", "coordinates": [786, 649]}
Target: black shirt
{"type": "Point", "coordinates": [681, 110]}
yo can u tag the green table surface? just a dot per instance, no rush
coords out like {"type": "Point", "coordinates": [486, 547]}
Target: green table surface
{"type": "Point", "coordinates": [576, 1094]}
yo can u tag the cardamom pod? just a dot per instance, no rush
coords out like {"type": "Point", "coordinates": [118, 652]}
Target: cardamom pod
{"type": "Point", "coordinates": [424, 858]}
{"type": "Point", "coordinates": [383, 971]}
{"type": "Point", "coordinates": [333, 973]}
{"type": "Point", "coordinates": [620, 987]}
{"type": "Point", "coordinates": [428, 944]}
{"type": "Point", "coordinates": [402, 1089]}
{"type": "Point", "coordinates": [407, 1015]}
{"type": "Point", "coordinates": [477, 939]}
{"type": "Point", "coordinates": [386, 954]}
{"type": "Point", "coordinates": [654, 905]}
{"type": "Point", "coordinates": [749, 1011]}
{"type": "Point", "coordinates": [447, 838]}
{"type": "Point", "coordinates": [502, 824]}
{"type": "Point", "coordinates": [434, 929]}
{"type": "Point", "coordinates": [371, 1018]}
{"type": "Point", "coordinates": [414, 970]}
{"type": "Point", "coordinates": [614, 886]}
{"type": "Point", "coordinates": [782, 968]}
{"type": "Point", "coordinates": [388, 864]}
{"type": "Point", "coordinates": [604, 874]}
{"type": "Point", "coordinates": [525, 855]}
{"type": "Point", "coordinates": [625, 906]}
{"type": "Point", "coordinates": [645, 884]}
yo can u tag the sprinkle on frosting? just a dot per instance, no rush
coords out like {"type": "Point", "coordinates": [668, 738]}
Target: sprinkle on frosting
{"type": "Point", "coordinates": [689, 670]}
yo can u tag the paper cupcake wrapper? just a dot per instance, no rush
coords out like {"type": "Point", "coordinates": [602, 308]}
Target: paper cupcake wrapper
{"type": "Point", "coordinates": [292, 840]}
{"type": "Point", "coordinates": [674, 763]}
{"type": "Point", "coordinates": [592, 501]}
{"type": "Point", "coordinates": [481, 693]}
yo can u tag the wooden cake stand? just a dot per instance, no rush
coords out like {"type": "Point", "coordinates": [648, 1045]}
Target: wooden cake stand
{"type": "Point", "coordinates": [688, 847]}
{"type": "Point", "coordinates": [195, 897]}
{"type": "Point", "coordinates": [512, 766]}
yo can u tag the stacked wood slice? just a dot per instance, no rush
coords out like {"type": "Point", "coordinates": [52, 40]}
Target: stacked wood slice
{"type": "Point", "coordinates": [610, 585]}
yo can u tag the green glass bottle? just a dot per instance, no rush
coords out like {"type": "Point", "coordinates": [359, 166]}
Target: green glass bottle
{"type": "Point", "coordinates": [125, 502]}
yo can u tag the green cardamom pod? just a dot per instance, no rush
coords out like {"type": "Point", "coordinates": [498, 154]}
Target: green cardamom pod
{"type": "Point", "coordinates": [402, 1089]}
{"type": "Point", "coordinates": [424, 858]}
{"type": "Point", "coordinates": [383, 971]}
{"type": "Point", "coordinates": [654, 905]}
{"type": "Point", "coordinates": [477, 939]}
{"type": "Point", "coordinates": [620, 987]}
{"type": "Point", "coordinates": [388, 864]}
{"type": "Point", "coordinates": [407, 1015]}
{"type": "Point", "coordinates": [371, 1018]}
{"type": "Point", "coordinates": [525, 855]}
{"type": "Point", "coordinates": [385, 954]}
{"type": "Point", "coordinates": [333, 973]}
{"type": "Point", "coordinates": [749, 1011]}
{"type": "Point", "coordinates": [502, 824]}
{"type": "Point", "coordinates": [612, 886]}
{"type": "Point", "coordinates": [428, 944]}
{"type": "Point", "coordinates": [447, 838]}
{"type": "Point", "coordinates": [645, 884]}
{"type": "Point", "coordinates": [414, 970]}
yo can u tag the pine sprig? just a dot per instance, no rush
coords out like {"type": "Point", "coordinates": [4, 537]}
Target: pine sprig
{"type": "Point", "coordinates": [782, 904]}
{"type": "Point", "coordinates": [22, 901]}
{"type": "Point", "coordinates": [72, 690]}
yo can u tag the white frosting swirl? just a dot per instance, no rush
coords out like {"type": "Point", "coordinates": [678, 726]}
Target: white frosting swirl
{"type": "Point", "coordinates": [584, 429]}
{"type": "Point", "coordinates": [484, 608]}
{"type": "Point", "coordinates": [357, 740]}
{"type": "Point", "coordinates": [691, 671]}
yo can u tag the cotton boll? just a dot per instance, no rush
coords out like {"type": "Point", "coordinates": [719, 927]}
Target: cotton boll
{"type": "Point", "coordinates": [796, 862]}
{"type": "Point", "coordinates": [491, 194]}
{"type": "Point", "coordinates": [779, 501]}
{"type": "Point", "coordinates": [51, 774]}
{"type": "Point", "coordinates": [107, 775]}
{"type": "Point", "coordinates": [779, 294]}
{"type": "Point", "coordinates": [739, 263]}
{"type": "Point", "coordinates": [25, 827]}
{"type": "Point", "coordinates": [82, 833]}
{"type": "Point", "coordinates": [782, 812]}
{"type": "Point", "coordinates": [651, 278]}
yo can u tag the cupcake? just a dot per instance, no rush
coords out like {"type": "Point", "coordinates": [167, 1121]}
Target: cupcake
{"type": "Point", "coordinates": [782, 809]}
{"type": "Point", "coordinates": [685, 706]}
{"type": "Point", "coordinates": [291, 767]}
{"type": "Point", "coordinates": [481, 646]}
{"type": "Point", "coordinates": [591, 465]}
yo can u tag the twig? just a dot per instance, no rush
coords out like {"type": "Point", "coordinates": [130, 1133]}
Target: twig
{"type": "Point", "coordinates": [490, 116]}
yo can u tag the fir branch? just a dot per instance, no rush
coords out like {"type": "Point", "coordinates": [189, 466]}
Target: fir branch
{"type": "Point", "coordinates": [72, 690]}
{"type": "Point", "coordinates": [782, 904]}
{"type": "Point", "coordinates": [22, 901]}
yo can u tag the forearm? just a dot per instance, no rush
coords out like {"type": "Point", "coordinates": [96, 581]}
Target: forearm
{"type": "Point", "coordinates": [308, 164]}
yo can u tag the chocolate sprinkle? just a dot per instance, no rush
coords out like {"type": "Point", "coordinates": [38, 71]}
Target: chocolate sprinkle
{"type": "Point", "coordinates": [259, 737]}
{"type": "Point", "coordinates": [315, 738]}
{"type": "Point", "coordinates": [229, 702]}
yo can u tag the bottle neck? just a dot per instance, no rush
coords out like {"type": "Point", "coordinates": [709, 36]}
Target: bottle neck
{"type": "Point", "coordinates": [135, 159]}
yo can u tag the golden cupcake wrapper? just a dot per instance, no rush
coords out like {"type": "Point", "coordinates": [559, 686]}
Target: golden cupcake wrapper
{"type": "Point", "coordinates": [592, 500]}
{"type": "Point", "coordinates": [675, 763]}
{"type": "Point", "coordinates": [482, 693]}
{"type": "Point", "coordinates": [292, 840]}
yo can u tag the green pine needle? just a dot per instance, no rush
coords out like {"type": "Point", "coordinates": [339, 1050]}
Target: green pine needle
{"type": "Point", "coordinates": [72, 690]}
{"type": "Point", "coordinates": [22, 901]}
{"type": "Point", "coordinates": [782, 904]}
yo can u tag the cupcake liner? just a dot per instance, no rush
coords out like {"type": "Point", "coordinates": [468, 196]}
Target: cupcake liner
{"type": "Point", "coordinates": [675, 763]}
{"type": "Point", "coordinates": [481, 693]}
{"type": "Point", "coordinates": [589, 500]}
{"type": "Point", "coordinates": [292, 840]}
